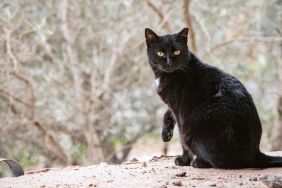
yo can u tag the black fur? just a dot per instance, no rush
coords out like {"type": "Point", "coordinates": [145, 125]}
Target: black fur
{"type": "Point", "coordinates": [218, 122]}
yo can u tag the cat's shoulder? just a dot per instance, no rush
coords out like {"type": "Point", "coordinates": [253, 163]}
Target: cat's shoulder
{"type": "Point", "coordinates": [216, 75]}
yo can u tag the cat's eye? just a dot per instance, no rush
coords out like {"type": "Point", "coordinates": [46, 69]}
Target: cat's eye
{"type": "Point", "coordinates": [160, 54]}
{"type": "Point", "coordinates": [176, 52]}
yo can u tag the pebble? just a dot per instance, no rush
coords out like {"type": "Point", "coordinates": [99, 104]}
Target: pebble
{"type": "Point", "coordinates": [177, 183]}
{"type": "Point", "coordinates": [253, 179]}
{"type": "Point", "coordinates": [182, 174]}
{"type": "Point", "coordinates": [134, 160]}
{"type": "Point", "coordinates": [212, 185]}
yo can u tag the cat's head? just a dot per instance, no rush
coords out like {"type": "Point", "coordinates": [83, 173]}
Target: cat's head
{"type": "Point", "coordinates": [167, 53]}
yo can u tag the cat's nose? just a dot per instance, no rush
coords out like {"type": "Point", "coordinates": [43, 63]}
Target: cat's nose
{"type": "Point", "coordinates": [168, 61]}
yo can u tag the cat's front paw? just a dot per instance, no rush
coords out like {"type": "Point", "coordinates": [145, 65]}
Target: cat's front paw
{"type": "Point", "coordinates": [179, 161]}
{"type": "Point", "coordinates": [167, 134]}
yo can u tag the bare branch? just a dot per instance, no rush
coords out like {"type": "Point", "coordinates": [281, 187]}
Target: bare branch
{"type": "Point", "coordinates": [6, 95]}
{"type": "Point", "coordinates": [158, 11]}
{"type": "Point", "coordinates": [245, 39]}
{"type": "Point", "coordinates": [188, 21]}
{"type": "Point", "coordinates": [55, 146]}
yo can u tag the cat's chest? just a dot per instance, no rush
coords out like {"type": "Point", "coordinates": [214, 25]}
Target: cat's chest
{"type": "Point", "coordinates": [157, 83]}
{"type": "Point", "coordinates": [161, 86]}
{"type": "Point", "coordinates": [167, 89]}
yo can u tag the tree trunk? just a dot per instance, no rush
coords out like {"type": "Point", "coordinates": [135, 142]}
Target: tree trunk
{"type": "Point", "coordinates": [277, 130]}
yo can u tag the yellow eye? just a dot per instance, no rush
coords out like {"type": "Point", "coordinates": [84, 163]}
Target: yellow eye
{"type": "Point", "coordinates": [161, 54]}
{"type": "Point", "coordinates": [176, 52]}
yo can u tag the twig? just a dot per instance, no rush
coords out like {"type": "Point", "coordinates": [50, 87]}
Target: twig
{"type": "Point", "coordinates": [9, 50]}
{"type": "Point", "coordinates": [126, 148]}
{"type": "Point", "coordinates": [245, 39]}
{"type": "Point", "coordinates": [7, 95]}
{"type": "Point", "coordinates": [55, 146]}
{"type": "Point", "coordinates": [70, 45]}
{"type": "Point", "coordinates": [31, 91]}
{"type": "Point", "coordinates": [188, 21]}
{"type": "Point", "coordinates": [158, 11]}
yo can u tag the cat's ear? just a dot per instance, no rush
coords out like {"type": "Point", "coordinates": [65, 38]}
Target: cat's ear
{"type": "Point", "coordinates": [183, 34]}
{"type": "Point", "coordinates": [150, 35]}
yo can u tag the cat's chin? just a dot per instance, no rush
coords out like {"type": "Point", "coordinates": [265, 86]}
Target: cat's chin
{"type": "Point", "coordinates": [168, 70]}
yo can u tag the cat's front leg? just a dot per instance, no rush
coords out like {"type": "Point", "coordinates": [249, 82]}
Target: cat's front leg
{"type": "Point", "coordinates": [168, 125]}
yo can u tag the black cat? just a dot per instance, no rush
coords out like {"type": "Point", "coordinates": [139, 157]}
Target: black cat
{"type": "Point", "coordinates": [218, 122]}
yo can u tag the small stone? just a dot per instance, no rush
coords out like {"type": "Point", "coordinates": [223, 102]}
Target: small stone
{"type": "Point", "coordinates": [212, 185]}
{"type": "Point", "coordinates": [144, 164]}
{"type": "Point", "coordinates": [198, 178]}
{"type": "Point", "coordinates": [182, 174]}
{"type": "Point", "coordinates": [155, 158]}
{"type": "Point", "coordinates": [240, 176]}
{"type": "Point", "coordinates": [272, 181]}
{"type": "Point", "coordinates": [177, 183]}
{"type": "Point", "coordinates": [240, 184]}
{"type": "Point", "coordinates": [253, 179]}
{"type": "Point", "coordinates": [134, 160]}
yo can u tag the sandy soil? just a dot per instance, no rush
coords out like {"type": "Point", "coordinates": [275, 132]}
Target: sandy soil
{"type": "Point", "coordinates": [159, 172]}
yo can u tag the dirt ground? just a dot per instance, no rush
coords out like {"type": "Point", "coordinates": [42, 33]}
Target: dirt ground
{"type": "Point", "coordinates": [159, 172]}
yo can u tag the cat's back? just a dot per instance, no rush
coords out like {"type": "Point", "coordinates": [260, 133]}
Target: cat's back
{"type": "Point", "coordinates": [212, 77]}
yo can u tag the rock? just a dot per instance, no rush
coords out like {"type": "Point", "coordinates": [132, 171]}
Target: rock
{"type": "Point", "coordinates": [134, 160]}
{"type": "Point", "coordinates": [144, 164]}
{"type": "Point", "coordinates": [212, 185]}
{"type": "Point", "coordinates": [272, 181]}
{"type": "Point", "coordinates": [253, 179]}
{"type": "Point", "coordinates": [198, 178]}
{"type": "Point", "coordinates": [177, 183]}
{"type": "Point", "coordinates": [182, 174]}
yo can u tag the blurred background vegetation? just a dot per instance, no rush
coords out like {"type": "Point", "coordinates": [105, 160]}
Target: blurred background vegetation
{"type": "Point", "coordinates": [76, 88]}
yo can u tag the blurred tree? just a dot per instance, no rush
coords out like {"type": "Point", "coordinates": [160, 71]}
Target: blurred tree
{"type": "Point", "coordinates": [277, 130]}
{"type": "Point", "coordinates": [275, 14]}
{"type": "Point", "coordinates": [74, 82]}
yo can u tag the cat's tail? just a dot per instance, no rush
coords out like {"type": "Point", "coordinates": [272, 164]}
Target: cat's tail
{"type": "Point", "coordinates": [265, 161]}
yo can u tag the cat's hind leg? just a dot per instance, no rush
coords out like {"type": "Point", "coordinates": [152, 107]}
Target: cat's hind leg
{"type": "Point", "coordinates": [168, 126]}
{"type": "Point", "coordinates": [199, 163]}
